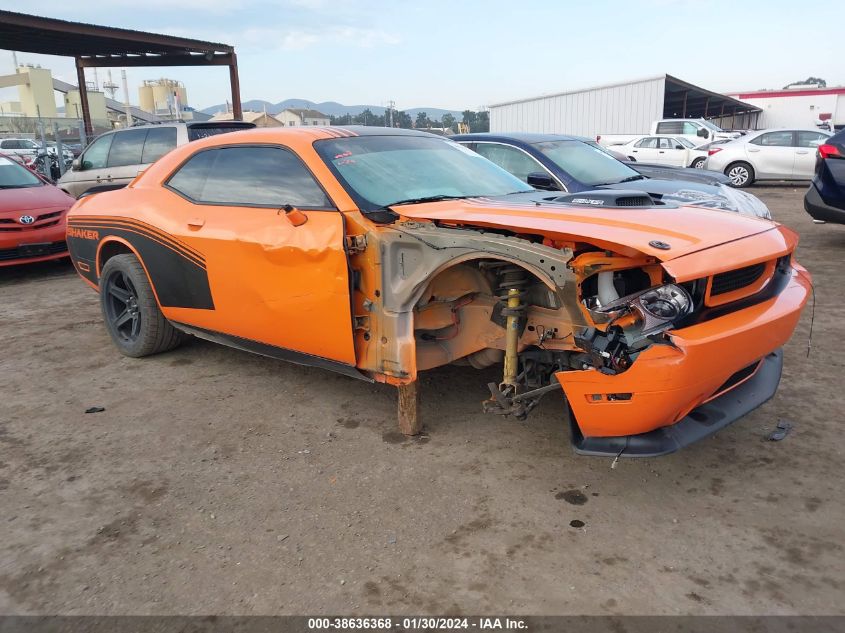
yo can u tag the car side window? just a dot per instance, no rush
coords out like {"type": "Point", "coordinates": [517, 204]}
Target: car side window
{"type": "Point", "coordinates": [811, 139]}
{"type": "Point", "coordinates": [667, 143]}
{"type": "Point", "coordinates": [10, 145]}
{"type": "Point", "coordinates": [510, 159]}
{"type": "Point", "coordinates": [774, 139]}
{"type": "Point", "coordinates": [249, 176]}
{"type": "Point", "coordinates": [670, 127]}
{"type": "Point", "coordinates": [127, 147]}
{"type": "Point", "coordinates": [97, 153]}
{"type": "Point", "coordinates": [689, 128]}
{"type": "Point", "coordinates": [159, 141]}
{"type": "Point", "coordinates": [648, 143]}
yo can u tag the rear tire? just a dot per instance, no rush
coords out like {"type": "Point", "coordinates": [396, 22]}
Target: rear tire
{"type": "Point", "coordinates": [741, 174]}
{"type": "Point", "coordinates": [698, 163]}
{"type": "Point", "coordinates": [132, 317]}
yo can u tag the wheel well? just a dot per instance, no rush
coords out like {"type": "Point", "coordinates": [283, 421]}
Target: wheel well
{"type": "Point", "coordinates": [740, 162]}
{"type": "Point", "coordinates": [109, 250]}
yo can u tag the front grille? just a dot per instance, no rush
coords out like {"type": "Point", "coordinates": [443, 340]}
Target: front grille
{"type": "Point", "coordinates": [9, 225]}
{"type": "Point", "coordinates": [53, 248]}
{"type": "Point", "coordinates": [736, 279]}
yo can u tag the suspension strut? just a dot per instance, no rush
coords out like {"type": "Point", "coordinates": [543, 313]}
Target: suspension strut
{"type": "Point", "coordinates": [512, 283]}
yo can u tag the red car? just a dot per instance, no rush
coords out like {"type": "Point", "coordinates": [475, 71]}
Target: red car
{"type": "Point", "coordinates": [33, 216]}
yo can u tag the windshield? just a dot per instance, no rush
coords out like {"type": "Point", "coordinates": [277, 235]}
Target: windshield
{"type": "Point", "coordinates": [711, 126]}
{"type": "Point", "coordinates": [685, 142]}
{"type": "Point", "coordinates": [13, 176]}
{"type": "Point", "coordinates": [382, 170]}
{"type": "Point", "coordinates": [586, 163]}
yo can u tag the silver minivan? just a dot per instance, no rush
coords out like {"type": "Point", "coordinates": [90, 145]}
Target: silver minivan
{"type": "Point", "coordinates": [115, 158]}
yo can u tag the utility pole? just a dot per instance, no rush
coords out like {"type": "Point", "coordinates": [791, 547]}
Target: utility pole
{"type": "Point", "coordinates": [390, 107]}
{"type": "Point", "coordinates": [126, 99]}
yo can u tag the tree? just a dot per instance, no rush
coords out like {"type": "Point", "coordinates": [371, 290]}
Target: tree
{"type": "Point", "coordinates": [482, 122]}
{"type": "Point", "coordinates": [809, 80]}
{"type": "Point", "coordinates": [469, 117]}
{"type": "Point", "coordinates": [447, 121]}
{"type": "Point", "coordinates": [422, 120]}
{"type": "Point", "coordinates": [402, 119]}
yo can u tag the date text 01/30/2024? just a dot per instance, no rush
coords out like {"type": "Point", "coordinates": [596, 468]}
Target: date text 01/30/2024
{"type": "Point", "coordinates": [412, 624]}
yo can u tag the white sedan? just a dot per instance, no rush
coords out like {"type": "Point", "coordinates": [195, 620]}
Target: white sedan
{"type": "Point", "coordinates": [768, 155]}
{"type": "Point", "coordinates": [663, 150]}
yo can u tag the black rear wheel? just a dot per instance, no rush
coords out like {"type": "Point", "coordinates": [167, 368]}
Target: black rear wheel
{"type": "Point", "coordinates": [133, 319]}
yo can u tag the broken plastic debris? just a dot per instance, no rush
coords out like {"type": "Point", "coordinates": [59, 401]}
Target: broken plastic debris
{"type": "Point", "coordinates": [781, 431]}
{"type": "Point", "coordinates": [95, 409]}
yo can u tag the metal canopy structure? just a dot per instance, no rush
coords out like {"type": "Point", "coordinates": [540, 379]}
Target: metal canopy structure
{"type": "Point", "coordinates": [684, 100]}
{"type": "Point", "coordinates": [94, 46]}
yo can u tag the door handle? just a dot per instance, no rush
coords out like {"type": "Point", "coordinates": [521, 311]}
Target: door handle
{"type": "Point", "coordinates": [753, 149]}
{"type": "Point", "coordinates": [196, 223]}
{"type": "Point", "coordinates": [802, 151]}
{"type": "Point", "coordinates": [661, 152]}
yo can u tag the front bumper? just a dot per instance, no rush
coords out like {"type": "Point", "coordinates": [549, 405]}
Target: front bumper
{"type": "Point", "coordinates": [701, 422]}
{"type": "Point", "coordinates": [673, 385]}
{"type": "Point", "coordinates": [819, 209]}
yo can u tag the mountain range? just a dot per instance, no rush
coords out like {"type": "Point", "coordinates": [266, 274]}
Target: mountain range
{"type": "Point", "coordinates": [331, 108]}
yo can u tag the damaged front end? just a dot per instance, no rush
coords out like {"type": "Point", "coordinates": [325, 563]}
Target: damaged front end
{"type": "Point", "coordinates": [638, 344]}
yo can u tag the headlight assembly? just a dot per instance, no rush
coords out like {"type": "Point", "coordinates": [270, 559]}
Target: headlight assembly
{"type": "Point", "coordinates": [646, 312]}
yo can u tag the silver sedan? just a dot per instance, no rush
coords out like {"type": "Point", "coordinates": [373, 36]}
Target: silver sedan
{"type": "Point", "coordinates": [767, 155]}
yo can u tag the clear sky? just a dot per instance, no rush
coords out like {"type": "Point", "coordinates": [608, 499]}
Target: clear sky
{"type": "Point", "coordinates": [460, 55]}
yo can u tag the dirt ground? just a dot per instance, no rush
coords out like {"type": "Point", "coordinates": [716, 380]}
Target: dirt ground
{"type": "Point", "coordinates": [218, 482]}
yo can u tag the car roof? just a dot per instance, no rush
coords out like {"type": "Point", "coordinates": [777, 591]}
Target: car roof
{"type": "Point", "coordinates": [521, 137]}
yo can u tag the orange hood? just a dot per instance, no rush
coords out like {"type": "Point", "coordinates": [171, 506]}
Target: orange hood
{"type": "Point", "coordinates": [686, 229]}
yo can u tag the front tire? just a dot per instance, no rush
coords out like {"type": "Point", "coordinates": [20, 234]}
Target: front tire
{"type": "Point", "coordinates": [740, 174]}
{"type": "Point", "coordinates": [132, 317]}
{"type": "Point", "coordinates": [698, 163]}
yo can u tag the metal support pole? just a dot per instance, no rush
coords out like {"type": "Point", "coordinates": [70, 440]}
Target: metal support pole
{"type": "Point", "coordinates": [60, 158]}
{"type": "Point", "coordinates": [127, 108]}
{"type": "Point", "coordinates": [83, 98]}
{"type": "Point", "coordinates": [237, 111]}
{"type": "Point", "coordinates": [83, 138]}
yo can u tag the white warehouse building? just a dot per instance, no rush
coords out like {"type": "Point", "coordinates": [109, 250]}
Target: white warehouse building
{"type": "Point", "coordinates": [800, 106]}
{"type": "Point", "coordinates": [623, 108]}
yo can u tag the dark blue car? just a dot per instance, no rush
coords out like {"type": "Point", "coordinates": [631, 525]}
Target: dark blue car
{"type": "Point", "coordinates": [556, 162]}
{"type": "Point", "coordinates": [825, 199]}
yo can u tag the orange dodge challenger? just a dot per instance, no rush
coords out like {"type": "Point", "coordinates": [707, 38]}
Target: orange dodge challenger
{"type": "Point", "coordinates": [380, 253]}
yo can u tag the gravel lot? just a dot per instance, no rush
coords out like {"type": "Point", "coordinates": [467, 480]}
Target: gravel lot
{"type": "Point", "coordinates": [220, 482]}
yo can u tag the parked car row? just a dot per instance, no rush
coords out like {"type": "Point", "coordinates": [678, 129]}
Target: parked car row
{"type": "Point", "coordinates": [696, 131]}
{"type": "Point", "coordinates": [556, 162]}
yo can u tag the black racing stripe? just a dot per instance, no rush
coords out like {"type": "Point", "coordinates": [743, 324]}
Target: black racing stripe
{"type": "Point", "coordinates": [143, 227]}
{"type": "Point", "coordinates": [160, 237]}
{"type": "Point", "coordinates": [179, 281]}
{"type": "Point", "coordinates": [150, 236]}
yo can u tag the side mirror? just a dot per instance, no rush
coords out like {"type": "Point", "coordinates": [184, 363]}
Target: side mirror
{"type": "Point", "coordinates": [679, 146]}
{"type": "Point", "coordinates": [702, 132]}
{"type": "Point", "coordinates": [540, 180]}
{"type": "Point", "coordinates": [294, 215]}
{"type": "Point", "coordinates": [76, 165]}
